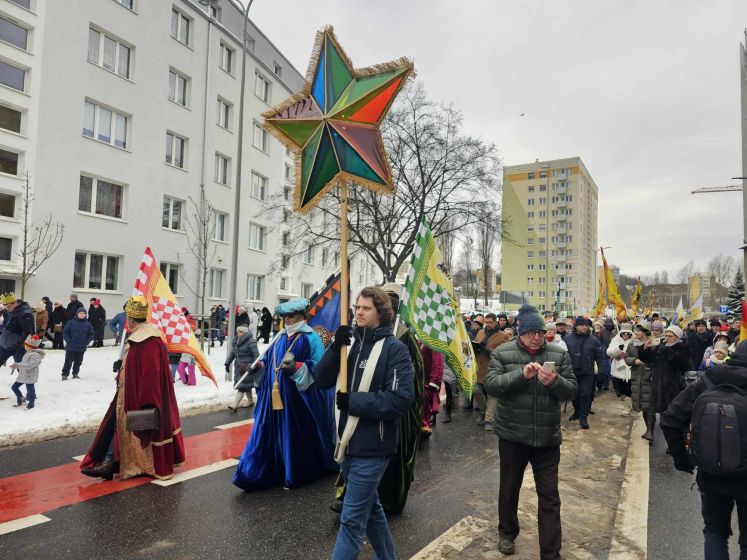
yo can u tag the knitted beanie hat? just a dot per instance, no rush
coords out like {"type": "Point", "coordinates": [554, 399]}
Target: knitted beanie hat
{"type": "Point", "coordinates": [530, 319]}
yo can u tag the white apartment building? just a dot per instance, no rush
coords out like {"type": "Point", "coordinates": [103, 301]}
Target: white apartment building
{"type": "Point", "coordinates": [121, 111]}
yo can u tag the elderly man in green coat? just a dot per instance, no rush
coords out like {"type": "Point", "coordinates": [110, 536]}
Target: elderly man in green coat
{"type": "Point", "coordinates": [530, 379]}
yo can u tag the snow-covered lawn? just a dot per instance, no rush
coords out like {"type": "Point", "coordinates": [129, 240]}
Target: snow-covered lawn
{"type": "Point", "coordinates": [78, 405]}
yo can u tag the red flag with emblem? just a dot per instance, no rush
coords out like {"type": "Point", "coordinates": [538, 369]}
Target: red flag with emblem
{"type": "Point", "coordinates": [166, 314]}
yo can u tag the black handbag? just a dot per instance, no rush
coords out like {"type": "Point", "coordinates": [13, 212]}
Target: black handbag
{"type": "Point", "coordinates": [145, 419]}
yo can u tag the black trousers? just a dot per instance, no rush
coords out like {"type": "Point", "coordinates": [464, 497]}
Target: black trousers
{"type": "Point", "coordinates": [58, 341]}
{"type": "Point", "coordinates": [449, 405]}
{"type": "Point", "coordinates": [717, 510]}
{"type": "Point", "coordinates": [72, 359]}
{"type": "Point", "coordinates": [514, 458]}
{"type": "Point", "coordinates": [585, 395]}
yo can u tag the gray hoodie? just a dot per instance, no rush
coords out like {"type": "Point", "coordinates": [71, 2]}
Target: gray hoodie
{"type": "Point", "coordinates": [28, 367]}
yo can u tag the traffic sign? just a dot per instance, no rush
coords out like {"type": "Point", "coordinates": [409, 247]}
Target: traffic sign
{"type": "Point", "coordinates": [723, 308]}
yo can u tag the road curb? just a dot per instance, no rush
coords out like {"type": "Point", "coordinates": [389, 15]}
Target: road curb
{"type": "Point", "coordinates": [630, 534]}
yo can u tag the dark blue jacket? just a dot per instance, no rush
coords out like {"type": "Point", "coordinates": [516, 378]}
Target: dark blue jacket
{"type": "Point", "coordinates": [18, 324]}
{"type": "Point", "coordinates": [390, 395]}
{"type": "Point", "coordinates": [584, 350]}
{"type": "Point", "coordinates": [78, 334]}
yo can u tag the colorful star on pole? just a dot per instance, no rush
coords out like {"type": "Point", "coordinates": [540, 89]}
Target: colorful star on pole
{"type": "Point", "coordinates": [333, 124]}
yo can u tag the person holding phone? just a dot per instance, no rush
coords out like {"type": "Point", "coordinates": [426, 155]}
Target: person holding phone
{"type": "Point", "coordinates": [529, 379]}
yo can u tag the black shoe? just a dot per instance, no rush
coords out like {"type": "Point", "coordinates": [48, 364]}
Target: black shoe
{"type": "Point", "coordinates": [30, 405]}
{"type": "Point", "coordinates": [447, 418]}
{"type": "Point", "coordinates": [433, 419]}
{"type": "Point", "coordinates": [20, 402]}
{"type": "Point", "coordinates": [64, 377]}
{"type": "Point", "coordinates": [591, 412]}
{"type": "Point", "coordinates": [336, 506]}
{"type": "Point", "coordinates": [75, 377]}
{"type": "Point", "coordinates": [105, 470]}
{"type": "Point", "coordinates": [584, 423]}
{"type": "Point", "coordinates": [506, 546]}
{"type": "Point", "coordinates": [574, 416]}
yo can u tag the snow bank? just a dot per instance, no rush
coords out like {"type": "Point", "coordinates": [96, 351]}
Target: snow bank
{"type": "Point", "coordinates": [75, 406]}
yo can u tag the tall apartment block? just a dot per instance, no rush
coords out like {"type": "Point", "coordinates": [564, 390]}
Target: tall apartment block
{"type": "Point", "coordinates": [122, 112]}
{"type": "Point", "coordinates": [549, 256]}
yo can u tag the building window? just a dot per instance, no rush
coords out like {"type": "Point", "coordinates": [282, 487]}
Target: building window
{"type": "Point", "coordinates": [178, 87]}
{"type": "Point", "coordinates": [530, 188]}
{"type": "Point", "coordinates": [8, 162]}
{"type": "Point", "coordinates": [543, 174]}
{"type": "Point", "coordinates": [13, 34]}
{"type": "Point", "coordinates": [530, 267]}
{"type": "Point", "coordinates": [530, 175]}
{"type": "Point", "coordinates": [543, 200]}
{"type": "Point", "coordinates": [7, 205]}
{"type": "Point", "coordinates": [23, 3]}
{"type": "Point", "coordinates": [530, 280]}
{"type": "Point", "coordinates": [307, 290]}
{"type": "Point", "coordinates": [215, 283]}
{"type": "Point", "coordinates": [12, 76]}
{"type": "Point", "coordinates": [180, 27]}
{"type": "Point", "coordinates": [325, 256]}
{"type": "Point", "coordinates": [250, 43]}
{"type": "Point", "coordinates": [129, 4]}
{"type": "Point", "coordinates": [542, 294]}
{"type": "Point", "coordinates": [308, 254]}
{"type": "Point", "coordinates": [530, 241]}
{"type": "Point", "coordinates": [10, 119]}
{"type": "Point", "coordinates": [254, 287]}
{"type": "Point", "coordinates": [284, 262]}
{"type": "Point", "coordinates": [100, 197]}
{"type": "Point", "coordinates": [175, 150]}
{"type": "Point", "coordinates": [226, 58]}
{"type": "Point", "coordinates": [530, 228]}
{"type": "Point", "coordinates": [257, 236]}
{"type": "Point", "coordinates": [288, 173]}
{"type": "Point", "coordinates": [543, 188]}
{"type": "Point", "coordinates": [108, 53]}
{"type": "Point", "coordinates": [530, 215]}
{"type": "Point", "coordinates": [285, 239]}
{"type": "Point", "coordinates": [225, 109]}
{"type": "Point", "coordinates": [284, 284]}
{"type": "Point", "coordinates": [337, 259]}
{"type": "Point", "coordinates": [222, 168]}
{"type": "Point", "coordinates": [96, 271]}
{"type": "Point", "coordinates": [219, 229]}
{"type": "Point", "coordinates": [287, 191]}
{"type": "Point", "coordinates": [259, 186]}
{"type": "Point", "coordinates": [105, 125]}
{"type": "Point", "coordinates": [170, 272]}
{"type": "Point", "coordinates": [262, 88]}
{"type": "Point", "coordinates": [214, 12]}
{"type": "Point", "coordinates": [530, 254]}
{"type": "Point", "coordinates": [259, 137]}
{"type": "Point", "coordinates": [172, 213]}
{"type": "Point", "coordinates": [530, 202]}
{"type": "Point", "coordinates": [277, 70]}
{"type": "Point", "coordinates": [6, 248]}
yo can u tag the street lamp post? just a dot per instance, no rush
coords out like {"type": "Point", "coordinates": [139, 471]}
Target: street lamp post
{"type": "Point", "coordinates": [237, 189]}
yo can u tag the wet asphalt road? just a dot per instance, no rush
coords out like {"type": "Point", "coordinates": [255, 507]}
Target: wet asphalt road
{"type": "Point", "coordinates": [208, 517]}
{"type": "Point", "coordinates": [675, 526]}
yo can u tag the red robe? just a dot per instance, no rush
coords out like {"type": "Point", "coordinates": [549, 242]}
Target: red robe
{"type": "Point", "coordinates": [144, 382]}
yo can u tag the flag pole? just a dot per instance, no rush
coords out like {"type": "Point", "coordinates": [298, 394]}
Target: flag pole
{"type": "Point", "coordinates": [344, 282]}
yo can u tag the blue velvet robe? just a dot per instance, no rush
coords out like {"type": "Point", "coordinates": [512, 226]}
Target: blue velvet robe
{"type": "Point", "coordinates": [294, 446]}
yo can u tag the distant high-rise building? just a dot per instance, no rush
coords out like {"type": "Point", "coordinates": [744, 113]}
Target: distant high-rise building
{"type": "Point", "coordinates": [549, 254]}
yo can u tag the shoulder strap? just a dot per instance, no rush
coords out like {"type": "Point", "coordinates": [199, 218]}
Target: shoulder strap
{"type": "Point", "coordinates": [709, 384]}
{"type": "Point", "coordinates": [365, 384]}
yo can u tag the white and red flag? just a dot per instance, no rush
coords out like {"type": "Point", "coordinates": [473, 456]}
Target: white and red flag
{"type": "Point", "coordinates": [166, 314]}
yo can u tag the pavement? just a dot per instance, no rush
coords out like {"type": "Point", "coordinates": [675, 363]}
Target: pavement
{"type": "Point", "coordinates": [451, 510]}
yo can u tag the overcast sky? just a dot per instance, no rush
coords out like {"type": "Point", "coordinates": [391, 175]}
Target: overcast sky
{"type": "Point", "coordinates": [646, 92]}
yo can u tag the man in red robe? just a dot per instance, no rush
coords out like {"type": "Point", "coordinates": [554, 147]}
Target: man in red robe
{"type": "Point", "coordinates": [143, 381]}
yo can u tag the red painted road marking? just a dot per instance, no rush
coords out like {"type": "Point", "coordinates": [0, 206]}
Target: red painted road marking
{"type": "Point", "coordinates": [47, 489]}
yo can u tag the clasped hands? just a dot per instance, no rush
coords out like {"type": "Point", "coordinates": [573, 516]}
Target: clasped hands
{"type": "Point", "coordinates": [533, 369]}
{"type": "Point", "coordinates": [288, 365]}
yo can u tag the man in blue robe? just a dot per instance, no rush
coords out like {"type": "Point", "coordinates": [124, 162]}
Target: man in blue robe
{"type": "Point", "coordinates": [293, 437]}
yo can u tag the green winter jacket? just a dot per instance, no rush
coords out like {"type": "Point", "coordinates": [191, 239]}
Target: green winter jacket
{"type": "Point", "coordinates": [529, 412]}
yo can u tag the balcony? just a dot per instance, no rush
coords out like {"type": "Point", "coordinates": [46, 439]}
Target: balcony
{"type": "Point", "coordinates": [562, 189]}
{"type": "Point", "coordinates": [562, 204]}
{"type": "Point", "coordinates": [561, 258]}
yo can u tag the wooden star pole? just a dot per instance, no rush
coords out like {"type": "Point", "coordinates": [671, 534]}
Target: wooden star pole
{"type": "Point", "coordinates": [333, 127]}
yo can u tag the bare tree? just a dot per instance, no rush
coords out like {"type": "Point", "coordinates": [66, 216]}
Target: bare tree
{"type": "Point", "coordinates": [664, 277]}
{"type": "Point", "coordinates": [466, 275]}
{"type": "Point", "coordinates": [486, 238]}
{"type": "Point", "coordinates": [439, 173]}
{"type": "Point", "coordinates": [201, 225]}
{"type": "Point", "coordinates": [684, 273]}
{"type": "Point", "coordinates": [446, 243]}
{"type": "Point", "coordinates": [39, 240]}
{"type": "Point", "coordinates": [722, 267]}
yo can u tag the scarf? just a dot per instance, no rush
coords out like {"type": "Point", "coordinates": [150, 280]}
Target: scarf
{"type": "Point", "coordinates": [290, 330]}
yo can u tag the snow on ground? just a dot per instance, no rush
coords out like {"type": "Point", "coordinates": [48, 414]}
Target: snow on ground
{"type": "Point", "coordinates": [77, 405]}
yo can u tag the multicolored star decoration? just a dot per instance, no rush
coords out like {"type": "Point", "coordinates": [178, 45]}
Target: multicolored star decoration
{"type": "Point", "coordinates": [333, 124]}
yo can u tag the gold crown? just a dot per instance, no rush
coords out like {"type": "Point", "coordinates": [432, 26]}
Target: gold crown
{"type": "Point", "coordinates": [137, 307]}
{"type": "Point", "coordinates": [5, 299]}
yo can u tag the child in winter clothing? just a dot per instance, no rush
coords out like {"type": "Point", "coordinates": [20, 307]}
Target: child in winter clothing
{"type": "Point", "coordinates": [187, 369]}
{"type": "Point", "coordinates": [78, 334]}
{"type": "Point", "coordinates": [28, 372]}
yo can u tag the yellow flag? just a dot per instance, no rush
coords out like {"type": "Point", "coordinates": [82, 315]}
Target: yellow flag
{"type": "Point", "coordinates": [635, 302]}
{"type": "Point", "coordinates": [613, 294]}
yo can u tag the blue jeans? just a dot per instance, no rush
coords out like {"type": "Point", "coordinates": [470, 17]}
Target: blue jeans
{"type": "Point", "coordinates": [30, 391]}
{"type": "Point", "coordinates": [173, 367]}
{"type": "Point", "coordinates": [362, 512]}
{"type": "Point", "coordinates": [717, 510]}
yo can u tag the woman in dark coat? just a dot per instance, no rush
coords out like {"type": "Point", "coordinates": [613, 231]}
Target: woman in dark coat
{"type": "Point", "coordinates": [266, 326]}
{"type": "Point", "coordinates": [640, 378]}
{"type": "Point", "coordinates": [670, 359]}
{"type": "Point", "coordinates": [59, 318]}
{"type": "Point", "coordinates": [97, 318]}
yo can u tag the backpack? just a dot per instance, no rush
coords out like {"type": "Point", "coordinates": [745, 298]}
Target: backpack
{"type": "Point", "coordinates": [719, 429]}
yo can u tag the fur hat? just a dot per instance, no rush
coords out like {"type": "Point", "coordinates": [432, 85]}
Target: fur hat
{"type": "Point", "coordinates": [530, 319]}
{"type": "Point", "coordinates": [137, 307]}
{"type": "Point", "coordinates": [625, 328]}
{"type": "Point", "coordinates": [675, 330]}
{"type": "Point", "coordinates": [33, 341]}
{"type": "Point", "coordinates": [242, 329]}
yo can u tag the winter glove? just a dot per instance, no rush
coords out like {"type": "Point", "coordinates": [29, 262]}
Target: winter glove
{"type": "Point", "coordinates": [343, 401]}
{"type": "Point", "coordinates": [228, 368]}
{"type": "Point", "coordinates": [288, 365]}
{"type": "Point", "coordinates": [116, 366]}
{"type": "Point", "coordinates": [684, 464]}
{"type": "Point", "coordinates": [342, 337]}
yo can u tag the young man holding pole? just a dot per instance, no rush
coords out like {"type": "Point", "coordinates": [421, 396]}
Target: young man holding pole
{"type": "Point", "coordinates": [371, 399]}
